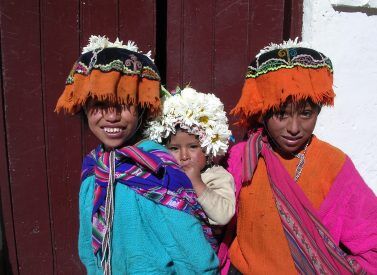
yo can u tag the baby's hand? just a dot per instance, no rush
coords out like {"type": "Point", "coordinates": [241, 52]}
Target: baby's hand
{"type": "Point", "coordinates": [192, 170]}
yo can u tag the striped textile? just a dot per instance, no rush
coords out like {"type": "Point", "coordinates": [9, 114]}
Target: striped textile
{"type": "Point", "coordinates": [153, 174]}
{"type": "Point", "coordinates": [311, 245]}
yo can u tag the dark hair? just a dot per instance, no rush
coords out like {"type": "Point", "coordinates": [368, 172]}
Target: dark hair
{"type": "Point", "coordinates": [142, 122]}
{"type": "Point", "coordinates": [300, 105]}
{"type": "Point", "coordinates": [166, 140]}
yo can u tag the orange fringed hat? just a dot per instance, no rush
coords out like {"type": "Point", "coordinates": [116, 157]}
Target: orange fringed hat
{"type": "Point", "coordinates": [282, 71]}
{"type": "Point", "coordinates": [112, 72]}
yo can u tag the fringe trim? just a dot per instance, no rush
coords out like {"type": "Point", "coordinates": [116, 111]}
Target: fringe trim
{"type": "Point", "coordinates": [269, 91]}
{"type": "Point", "coordinates": [113, 87]}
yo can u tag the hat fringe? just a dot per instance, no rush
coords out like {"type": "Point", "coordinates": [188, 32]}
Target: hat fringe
{"type": "Point", "coordinates": [111, 86]}
{"type": "Point", "coordinates": [149, 96]}
{"type": "Point", "coordinates": [269, 91]}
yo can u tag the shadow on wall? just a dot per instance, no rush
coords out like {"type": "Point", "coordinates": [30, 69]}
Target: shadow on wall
{"type": "Point", "coordinates": [369, 11]}
{"type": "Point", "coordinates": [5, 268]}
{"type": "Point", "coordinates": [3, 254]}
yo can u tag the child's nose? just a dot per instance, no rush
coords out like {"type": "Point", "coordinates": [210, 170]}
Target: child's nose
{"type": "Point", "coordinates": [293, 126]}
{"type": "Point", "coordinates": [111, 114]}
{"type": "Point", "coordinates": [184, 155]}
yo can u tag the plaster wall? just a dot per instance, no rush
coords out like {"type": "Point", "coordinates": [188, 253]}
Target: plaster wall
{"type": "Point", "coordinates": [350, 40]}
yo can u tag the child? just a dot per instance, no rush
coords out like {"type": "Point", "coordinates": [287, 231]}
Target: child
{"type": "Point", "coordinates": [138, 211]}
{"type": "Point", "coordinates": [303, 207]}
{"type": "Point", "coordinates": [194, 128]}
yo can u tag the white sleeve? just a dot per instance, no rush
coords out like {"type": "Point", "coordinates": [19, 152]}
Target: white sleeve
{"type": "Point", "coordinates": [218, 199]}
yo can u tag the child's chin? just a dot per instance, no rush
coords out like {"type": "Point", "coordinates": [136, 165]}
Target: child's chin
{"type": "Point", "coordinates": [112, 144]}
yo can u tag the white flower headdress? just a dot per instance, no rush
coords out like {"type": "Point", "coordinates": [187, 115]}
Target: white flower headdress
{"type": "Point", "coordinates": [98, 42]}
{"type": "Point", "coordinates": [200, 114]}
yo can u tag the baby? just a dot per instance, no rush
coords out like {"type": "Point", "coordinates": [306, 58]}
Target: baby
{"type": "Point", "coordinates": [194, 128]}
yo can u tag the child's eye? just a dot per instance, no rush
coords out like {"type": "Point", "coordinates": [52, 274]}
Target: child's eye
{"type": "Point", "coordinates": [97, 107]}
{"type": "Point", "coordinates": [281, 115]}
{"type": "Point", "coordinates": [173, 148]}
{"type": "Point", "coordinates": [306, 113]}
{"type": "Point", "coordinates": [194, 146]}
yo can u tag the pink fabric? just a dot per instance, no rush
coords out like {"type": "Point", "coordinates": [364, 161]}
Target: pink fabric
{"type": "Point", "coordinates": [235, 168]}
{"type": "Point", "coordinates": [235, 159]}
{"type": "Point", "coordinates": [349, 212]}
{"type": "Point", "coordinates": [308, 217]}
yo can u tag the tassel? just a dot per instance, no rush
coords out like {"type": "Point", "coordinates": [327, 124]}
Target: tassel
{"type": "Point", "coordinates": [109, 214]}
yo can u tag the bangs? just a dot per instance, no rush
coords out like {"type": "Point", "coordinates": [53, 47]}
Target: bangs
{"type": "Point", "coordinates": [298, 105]}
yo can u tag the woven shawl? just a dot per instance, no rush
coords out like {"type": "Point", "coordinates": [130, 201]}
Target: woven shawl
{"type": "Point", "coordinates": [153, 174]}
{"type": "Point", "coordinates": [312, 247]}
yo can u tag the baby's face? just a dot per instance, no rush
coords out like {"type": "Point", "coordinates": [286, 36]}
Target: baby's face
{"type": "Point", "coordinates": [112, 124]}
{"type": "Point", "coordinates": [186, 150]}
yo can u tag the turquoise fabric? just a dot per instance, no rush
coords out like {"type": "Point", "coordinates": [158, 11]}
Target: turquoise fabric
{"type": "Point", "coordinates": [148, 145]}
{"type": "Point", "coordinates": [147, 238]}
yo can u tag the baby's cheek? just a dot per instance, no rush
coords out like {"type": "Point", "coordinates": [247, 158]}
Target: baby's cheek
{"type": "Point", "coordinates": [175, 155]}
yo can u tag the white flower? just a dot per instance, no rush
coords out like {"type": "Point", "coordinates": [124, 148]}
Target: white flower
{"type": "Point", "coordinates": [285, 45]}
{"type": "Point", "coordinates": [117, 43]}
{"type": "Point", "coordinates": [131, 45]}
{"type": "Point", "coordinates": [149, 55]}
{"type": "Point", "coordinates": [97, 42]}
{"type": "Point", "coordinates": [198, 113]}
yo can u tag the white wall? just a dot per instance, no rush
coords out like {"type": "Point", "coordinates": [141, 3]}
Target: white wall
{"type": "Point", "coordinates": [350, 40]}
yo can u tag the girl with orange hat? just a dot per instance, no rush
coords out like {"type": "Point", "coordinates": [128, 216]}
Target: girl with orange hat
{"type": "Point", "coordinates": [138, 211]}
{"type": "Point", "coordinates": [303, 207]}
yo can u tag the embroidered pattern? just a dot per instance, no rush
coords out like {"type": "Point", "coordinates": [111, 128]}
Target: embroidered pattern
{"type": "Point", "coordinates": [149, 73]}
{"type": "Point", "coordinates": [133, 63]}
{"type": "Point", "coordinates": [288, 58]}
{"type": "Point", "coordinates": [302, 242]}
{"type": "Point", "coordinates": [130, 66]}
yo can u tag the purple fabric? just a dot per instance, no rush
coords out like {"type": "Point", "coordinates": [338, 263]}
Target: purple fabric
{"type": "Point", "coordinates": [153, 174]}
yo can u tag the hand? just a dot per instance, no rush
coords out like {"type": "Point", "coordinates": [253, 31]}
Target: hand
{"type": "Point", "coordinates": [192, 170]}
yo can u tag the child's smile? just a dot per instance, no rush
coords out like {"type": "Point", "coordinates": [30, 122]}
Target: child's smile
{"type": "Point", "coordinates": [111, 130]}
{"type": "Point", "coordinates": [112, 124]}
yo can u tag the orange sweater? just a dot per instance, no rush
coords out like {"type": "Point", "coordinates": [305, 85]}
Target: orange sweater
{"type": "Point", "coordinates": [260, 246]}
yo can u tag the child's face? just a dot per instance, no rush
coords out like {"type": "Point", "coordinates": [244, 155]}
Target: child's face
{"type": "Point", "coordinates": [112, 124]}
{"type": "Point", "coordinates": [292, 126]}
{"type": "Point", "coordinates": [186, 150]}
